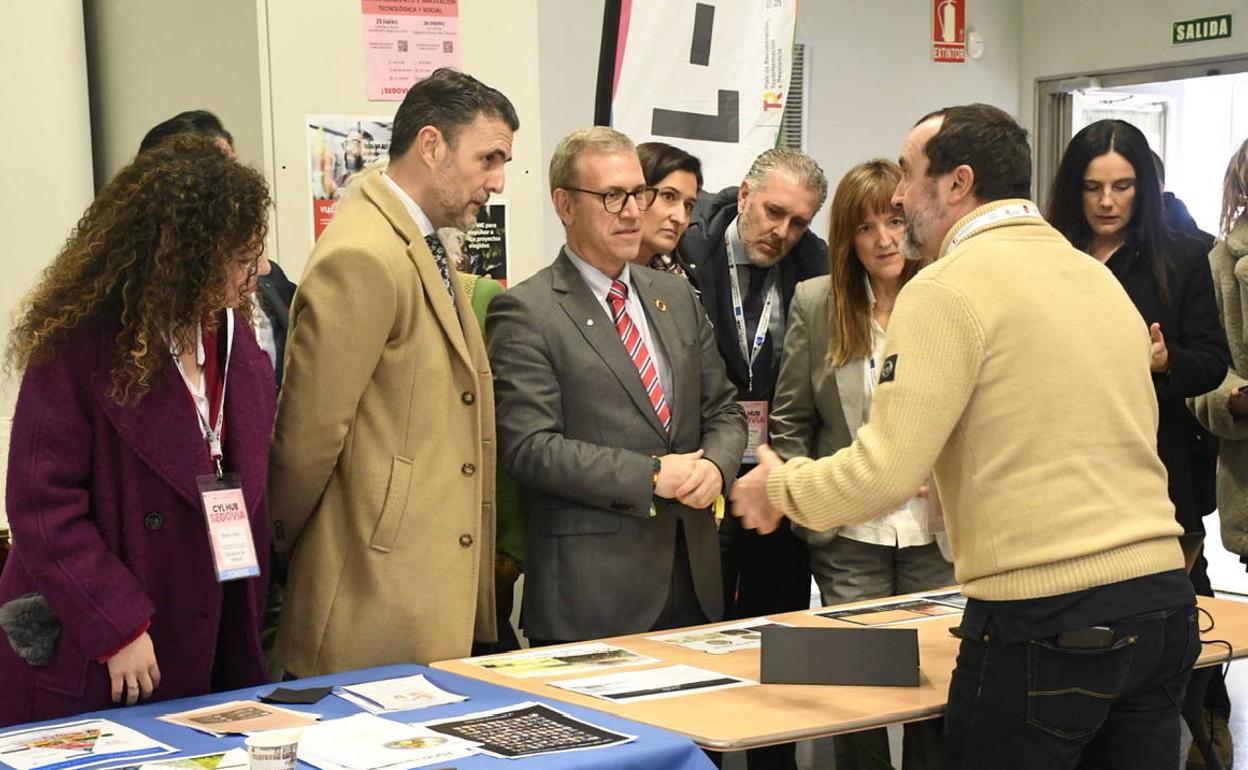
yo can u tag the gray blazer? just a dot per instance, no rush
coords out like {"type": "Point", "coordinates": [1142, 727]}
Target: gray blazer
{"type": "Point", "coordinates": [818, 407]}
{"type": "Point", "coordinates": [577, 430]}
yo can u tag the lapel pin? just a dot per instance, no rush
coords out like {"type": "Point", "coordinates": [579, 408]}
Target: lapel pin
{"type": "Point", "coordinates": [661, 305]}
{"type": "Point", "coordinates": [589, 322]}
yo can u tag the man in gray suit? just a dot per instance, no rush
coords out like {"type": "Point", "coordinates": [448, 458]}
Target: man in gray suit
{"type": "Point", "coordinates": [615, 411]}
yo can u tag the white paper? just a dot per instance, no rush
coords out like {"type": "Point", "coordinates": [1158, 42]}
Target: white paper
{"type": "Point", "coordinates": [652, 683]}
{"type": "Point", "coordinates": [234, 759]}
{"type": "Point", "coordinates": [77, 744]}
{"type": "Point", "coordinates": [550, 661]}
{"type": "Point", "coordinates": [366, 741]}
{"type": "Point", "coordinates": [718, 640]}
{"type": "Point", "coordinates": [401, 694]}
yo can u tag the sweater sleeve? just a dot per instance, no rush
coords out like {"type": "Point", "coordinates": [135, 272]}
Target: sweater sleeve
{"type": "Point", "coordinates": [932, 358]}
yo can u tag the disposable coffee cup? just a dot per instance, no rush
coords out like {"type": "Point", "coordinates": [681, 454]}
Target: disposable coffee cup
{"type": "Point", "coordinates": [272, 749]}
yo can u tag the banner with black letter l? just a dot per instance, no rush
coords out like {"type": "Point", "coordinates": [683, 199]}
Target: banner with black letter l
{"type": "Point", "coordinates": [708, 77]}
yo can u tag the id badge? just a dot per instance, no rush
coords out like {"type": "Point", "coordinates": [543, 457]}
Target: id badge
{"type": "Point", "coordinates": [756, 427]}
{"type": "Point", "coordinates": [229, 527]}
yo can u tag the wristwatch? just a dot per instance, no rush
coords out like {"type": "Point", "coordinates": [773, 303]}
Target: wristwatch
{"type": "Point", "coordinates": [658, 467]}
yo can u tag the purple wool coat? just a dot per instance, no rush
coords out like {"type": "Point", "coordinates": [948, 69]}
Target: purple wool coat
{"type": "Point", "coordinates": [107, 525]}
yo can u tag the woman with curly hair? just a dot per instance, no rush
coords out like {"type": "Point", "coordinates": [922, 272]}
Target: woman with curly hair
{"type": "Point", "coordinates": [142, 385]}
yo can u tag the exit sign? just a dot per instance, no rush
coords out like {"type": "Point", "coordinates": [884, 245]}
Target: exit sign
{"type": "Point", "coordinates": [1197, 30]}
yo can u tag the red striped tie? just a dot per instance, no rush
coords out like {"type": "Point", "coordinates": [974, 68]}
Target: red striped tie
{"type": "Point", "coordinates": [617, 296]}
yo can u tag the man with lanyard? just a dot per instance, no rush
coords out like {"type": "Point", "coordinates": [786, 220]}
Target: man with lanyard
{"type": "Point", "coordinates": [747, 254]}
{"type": "Point", "coordinates": [1018, 369]}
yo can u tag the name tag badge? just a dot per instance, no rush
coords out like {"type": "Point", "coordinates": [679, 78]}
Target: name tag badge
{"type": "Point", "coordinates": [756, 427]}
{"type": "Point", "coordinates": [229, 527]}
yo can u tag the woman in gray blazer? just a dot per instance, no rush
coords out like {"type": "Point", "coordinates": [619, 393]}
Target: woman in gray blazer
{"type": "Point", "coordinates": [829, 370]}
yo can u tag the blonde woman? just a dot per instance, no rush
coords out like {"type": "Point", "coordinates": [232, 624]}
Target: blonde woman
{"type": "Point", "coordinates": [831, 364]}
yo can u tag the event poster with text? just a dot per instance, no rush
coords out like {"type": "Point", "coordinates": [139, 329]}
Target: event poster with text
{"type": "Point", "coordinates": [406, 40]}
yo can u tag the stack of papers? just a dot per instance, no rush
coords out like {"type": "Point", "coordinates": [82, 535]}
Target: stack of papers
{"type": "Point", "coordinates": [240, 716]}
{"type": "Point", "coordinates": [652, 683]}
{"type": "Point", "coordinates": [547, 661]}
{"type": "Point", "coordinates": [891, 611]}
{"type": "Point", "coordinates": [527, 729]}
{"type": "Point", "coordinates": [368, 742]}
{"type": "Point", "coordinates": [746, 635]}
{"type": "Point", "coordinates": [401, 694]}
{"type": "Point", "coordinates": [90, 742]}
{"type": "Point", "coordinates": [234, 759]}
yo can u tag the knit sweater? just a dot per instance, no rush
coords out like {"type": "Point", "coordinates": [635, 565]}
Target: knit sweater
{"type": "Point", "coordinates": [1017, 368]}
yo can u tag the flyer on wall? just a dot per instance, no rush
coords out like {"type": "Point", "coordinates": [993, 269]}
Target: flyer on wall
{"type": "Point", "coordinates": [339, 148]}
{"type": "Point", "coordinates": [483, 249]}
{"type": "Point", "coordinates": [406, 40]}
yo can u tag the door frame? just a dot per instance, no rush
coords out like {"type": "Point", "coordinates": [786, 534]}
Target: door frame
{"type": "Point", "coordinates": [1053, 103]}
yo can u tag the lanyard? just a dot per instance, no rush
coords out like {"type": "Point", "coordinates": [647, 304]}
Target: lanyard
{"type": "Point", "coordinates": [210, 429]}
{"type": "Point", "coordinates": [749, 353]}
{"type": "Point", "coordinates": [999, 214]}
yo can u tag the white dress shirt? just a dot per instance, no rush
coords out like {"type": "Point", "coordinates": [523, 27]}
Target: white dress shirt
{"type": "Point", "coordinates": [908, 525]}
{"type": "Point", "coordinates": [599, 284]}
{"type": "Point", "coordinates": [413, 208]}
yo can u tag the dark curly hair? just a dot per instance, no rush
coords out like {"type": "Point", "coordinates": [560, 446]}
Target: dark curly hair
{"type": "Point", "coordinates": [150, 255]}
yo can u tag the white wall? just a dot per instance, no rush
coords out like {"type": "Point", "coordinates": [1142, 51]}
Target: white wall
{"type": "Point", "coordinates": [1072, 37]}
{"type": "Point", "coordinates": [47, 157]}
{"type": "Point", "coordinates": [151, 59]}
{"type": "Point", "coordinates": [872, 76]}
{"type": "Point", "coordinates": [315, 65]}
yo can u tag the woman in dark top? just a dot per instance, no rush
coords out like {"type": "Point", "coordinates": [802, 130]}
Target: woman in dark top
{"type": "Point", "coordinates": [1107, 201]}
{"type": "Point", "coordinates": [678, 177]}
{"type": "Point", "coordinates": [144, 401]}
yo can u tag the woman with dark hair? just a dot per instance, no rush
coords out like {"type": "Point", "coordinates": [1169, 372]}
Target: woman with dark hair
{"type": "Point", "coordinates": [1107, 201]}
{"type": "Point", "coordinates": [678, 177]}
{"type": "Point", "coordinates": [832, 355]}
{"type": "Point", "coordinates": [139, 447]}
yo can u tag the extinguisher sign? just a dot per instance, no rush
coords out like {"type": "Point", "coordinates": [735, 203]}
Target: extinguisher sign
{"type": "Point", "coordinates": [949, 30]}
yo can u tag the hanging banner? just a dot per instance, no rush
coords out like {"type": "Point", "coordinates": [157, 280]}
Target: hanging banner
{"type": "Point", "coordinates": [949, 30]}
{"type": "Point", "coordinates": [405, 41]}
{"type": "Point", "coordinates": [733, 63]}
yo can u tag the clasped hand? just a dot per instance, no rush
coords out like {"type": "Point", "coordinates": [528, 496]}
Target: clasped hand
{"type": "Point", "coordinates": [689, 478]}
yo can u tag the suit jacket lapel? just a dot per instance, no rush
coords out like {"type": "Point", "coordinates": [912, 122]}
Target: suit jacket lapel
{"type": "Point", "coordinates": [850, 386]}
{"type": "Point", "coordinates": [162, 430]}
{"type": "Point", "coordinates": [247, 431]}
{"type": "Point", "coordinates": [449, 315]}
{"type": "Point", "coordinates": [663, 327]}
{"type": "Point", "coordinates": [592, 322]}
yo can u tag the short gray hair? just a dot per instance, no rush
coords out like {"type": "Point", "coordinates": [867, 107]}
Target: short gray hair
{"type": "Point", "coordinates": [593, 139]}
{"type": "Point", "coordinates": [801, 165]}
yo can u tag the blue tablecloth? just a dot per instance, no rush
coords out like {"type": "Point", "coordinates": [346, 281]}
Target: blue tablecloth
{"type": "Point", "coordinates": [654, 748]}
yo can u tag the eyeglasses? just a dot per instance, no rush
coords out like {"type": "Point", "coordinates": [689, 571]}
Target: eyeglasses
{"type": "Point", "coordinates": [614, 201]}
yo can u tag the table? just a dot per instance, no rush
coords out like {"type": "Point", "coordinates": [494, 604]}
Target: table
{"type": "Point", "coordinates": [765, 715]}
{"type": "Point", "coordinates": [653, 748]}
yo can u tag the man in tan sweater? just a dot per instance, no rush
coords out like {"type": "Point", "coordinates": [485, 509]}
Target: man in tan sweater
{"type": "Point", "coordinates": [1017, 368]}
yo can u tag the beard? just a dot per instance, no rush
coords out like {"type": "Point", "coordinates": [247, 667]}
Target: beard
{"type": "Point", "coordinates": [920, 224]}
{"type": "Point", "coordinates": [452, 204]}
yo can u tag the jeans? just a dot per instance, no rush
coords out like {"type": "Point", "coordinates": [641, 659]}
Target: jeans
{"type": "Point", "coordinates": [1038, 705]}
